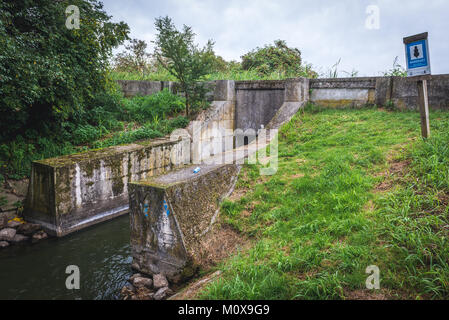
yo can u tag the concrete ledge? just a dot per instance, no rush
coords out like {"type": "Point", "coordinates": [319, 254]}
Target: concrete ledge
{"type": "Point", "coordinates": [344, 83]}
{"type": "Point", "coordinates": [401, 91]}
{"type": "Point", "coordinates": [260, 85]}
{"type": "Point", "coordinates": [172, 213]}
{"type": "Point", "coordinates": [131, 88]}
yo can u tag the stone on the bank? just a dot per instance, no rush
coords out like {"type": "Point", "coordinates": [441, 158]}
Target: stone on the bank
{"type": "Point", "coordinates": [159, 281]}
{"type": "Point", "coordinates": [28, 229]}
{"type": "Point", "coordinates": [19, 187]}
{"type": "Point", "coordinates": [136, 275]}
{"type": "Point", "coordinates": [140, 282]}
{"type": "Point", "coordinates": [162, 293]}
{"type": "Point", "coordinates": [40, 235]}
{"type": "Point", "coordinates": [19, 238]}
{"type": "Point", "coordinates": [3, 221]}
{"type": "Point", "coordinates": [144, 293]}
{"type": "Point", "coordinates": [127, 291]}
{"type": "Point", "coordinates": [4, 244]}
{"type": "Point", "coordinates": [14, 224]}
{"type": "Point", "coordinates": [7, 234]}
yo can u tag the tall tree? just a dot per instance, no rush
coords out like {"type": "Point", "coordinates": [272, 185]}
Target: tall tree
{"type": "Point", "coordinates": [134, 58]}
{"type": "Point", "coordinates": [179, 55]}
{"type": "Point", "coordinates": [48, 70]}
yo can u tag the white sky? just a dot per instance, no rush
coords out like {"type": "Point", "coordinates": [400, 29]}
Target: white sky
{"type": "Point", "coordinates": [324, 30]}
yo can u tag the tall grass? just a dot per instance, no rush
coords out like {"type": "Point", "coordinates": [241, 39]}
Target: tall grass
{"type": "Point", "coordinates": [320, 222]}
{"type": "Point", "coordinates": [233, 74]}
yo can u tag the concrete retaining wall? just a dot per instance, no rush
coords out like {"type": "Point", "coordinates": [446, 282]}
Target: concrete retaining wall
{"type": "Point", "coordinates": [402, 92]}
{"type": "Point", "coordinates": [170, 216]}
{"type": "Point", "coordinates": [338, 92]}
{"type": "Point", "coordinates": [72, 192]}
{"type": "Point", "coordinates": [258, 102]}
{"type": "Point", "coordinates": [131, 88]}
{"type": "Point", "coordinates": [213, 130]}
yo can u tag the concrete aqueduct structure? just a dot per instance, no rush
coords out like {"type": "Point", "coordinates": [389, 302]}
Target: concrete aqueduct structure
{"type": "Point", "coordinates": [171, 207]}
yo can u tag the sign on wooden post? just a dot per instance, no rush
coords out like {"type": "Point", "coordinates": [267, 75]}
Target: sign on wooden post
{"type": "Point", "coordinates": [418, 65]}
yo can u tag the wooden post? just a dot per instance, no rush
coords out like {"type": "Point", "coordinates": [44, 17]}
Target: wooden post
{"type": "Point", "coordinates": [424, 108]}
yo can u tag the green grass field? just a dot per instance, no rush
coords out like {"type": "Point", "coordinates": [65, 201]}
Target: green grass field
{"type": "Point", "coordinates": [237, 75]}
{"type": "Point", "coordinates": [355, 187]}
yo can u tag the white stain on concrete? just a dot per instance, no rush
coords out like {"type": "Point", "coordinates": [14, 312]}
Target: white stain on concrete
{"type": "Point", "coordinates": [78, 196]}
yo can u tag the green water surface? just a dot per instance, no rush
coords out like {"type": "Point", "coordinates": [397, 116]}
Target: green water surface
{"type": "Point", "coordinates": [38, 271]}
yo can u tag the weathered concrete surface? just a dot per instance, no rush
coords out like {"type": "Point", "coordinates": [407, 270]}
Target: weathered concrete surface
{"type": "Point", "coordinates": [213, 130]}
{"type": "Point", "coordinates": [261, 104]}
{"type": "Point", "coordinates": [401, 91]}
{"type": "Point", "coordinates": [342, 92]}
{"type": "Point", "coordinates": [72, 192]}
{"type": "Point", "coordinates": [131, 88]}
{"type": "Point", "coordinates": [296, 96]}
{"type": "Point", "coordinates": [404, 93]}
{"type": "Point", "coordinates": [171, 214]}
{"type": "Point", "coordinates": [257, 102]}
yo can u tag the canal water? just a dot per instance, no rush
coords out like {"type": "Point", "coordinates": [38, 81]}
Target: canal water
{"type": "Point", "coordinates": [38, 271]}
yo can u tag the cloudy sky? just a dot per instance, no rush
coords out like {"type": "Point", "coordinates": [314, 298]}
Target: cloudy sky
{"type": "Point", "coordinates": [324, 30]}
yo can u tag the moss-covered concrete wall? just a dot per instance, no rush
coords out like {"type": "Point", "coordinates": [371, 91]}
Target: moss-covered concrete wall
{"type": "Point", "coordinates": [171, 214]}
{"type": "Point", "coordinates": [72, 192]}
{"type": "Point", "coordinates": [403, 92]}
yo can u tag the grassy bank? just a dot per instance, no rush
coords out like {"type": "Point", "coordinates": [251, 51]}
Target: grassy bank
{"type": "Point", "coordinates": [355, 188]}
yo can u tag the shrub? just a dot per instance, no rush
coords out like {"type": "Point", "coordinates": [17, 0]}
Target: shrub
{"type": "Point", "coordinates": [156, 106]}
{"type": "Point", "coordinates": [276, 58]}
{"type": "Point", "coordinates": [48, 72]}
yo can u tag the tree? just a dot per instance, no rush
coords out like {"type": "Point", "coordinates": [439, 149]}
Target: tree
{"type": "Point", "coordinates": [134, 58]}
{"type": "Point", "coordinates": [276, 58]}
{"type": "Point", "coordinates": [180, 56]}
{"type": "Point", "coordinates": [48, 71]}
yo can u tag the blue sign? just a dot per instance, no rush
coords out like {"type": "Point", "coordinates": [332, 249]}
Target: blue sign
{"type": "Point", "coordinates": [417, 56]}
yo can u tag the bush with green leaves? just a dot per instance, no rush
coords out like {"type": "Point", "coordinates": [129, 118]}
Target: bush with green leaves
{"type": "Point", "coordinates": [277, 58]}
{"type": "Point", "coordinates": [47, 71]}
{"type": "Point", "coordinates": [153, 107]}
{"type": "Point", "coordinates": [177, 52]}
{"type": "Point", "coordinates": [100, 126]}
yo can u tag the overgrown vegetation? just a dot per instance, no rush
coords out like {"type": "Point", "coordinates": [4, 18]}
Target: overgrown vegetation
{"type": "Point", "coordinates": [355, 188]}
{"type": "Point", "coordinates": [57, 97]}
{"type": "Point", "coordinates": [277, 58]}
{"type": "Point", "coordinates": [48, 72]}
{"type": "Point", "coordinates": [396, 71]}
{"type": "Point", "coordinates": [112, 120]}
{"type": "Point", "coordinates": [271, 62]}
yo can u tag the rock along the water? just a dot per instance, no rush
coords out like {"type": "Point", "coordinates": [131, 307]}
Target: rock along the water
{"type": "Point", "coordinates": [162, 293]}
{"type": "Point", "coordinates": [159, 281]}
{"type": "Point", "coordinates": [4, 244]}
{"type": "Point", "coordinates": [139, 282]}
{"type": "Point", "coordinates": [7, 234]}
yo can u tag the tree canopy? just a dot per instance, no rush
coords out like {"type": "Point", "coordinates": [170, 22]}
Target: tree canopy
{"type": "Point", "coordinates": [47, 70]}
{"type": "Point", "coordinates": [177, 52]}
{"type": "Point", "coordinates": [276, 58]}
